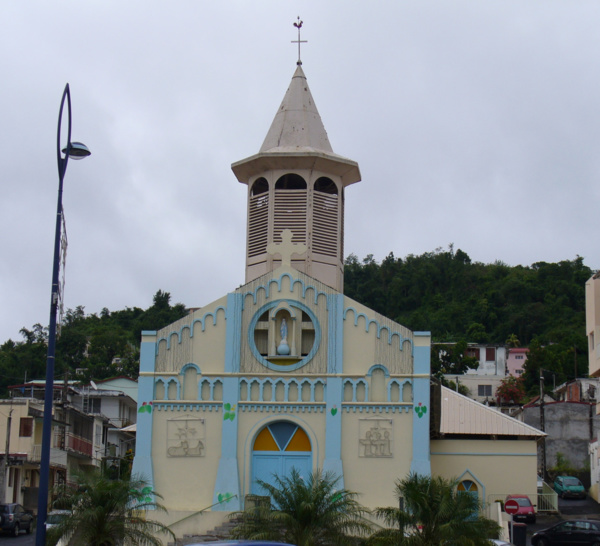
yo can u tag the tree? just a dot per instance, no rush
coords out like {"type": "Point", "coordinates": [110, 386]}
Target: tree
{"type": "Point", "coordinates": [512, 341]}
{"type": "Point", "coordinates": [304, 511]}
{"type": "Point", "coordinates": [435, 512]}
{"type": "Point", "coordinates": [511, 389]}
{"type": "Point", "coordinates": [451, 359]}
{"type": "Point", "coordinates": [109, 512]}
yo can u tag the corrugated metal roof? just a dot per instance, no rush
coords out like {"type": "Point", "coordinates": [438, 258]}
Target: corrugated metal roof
{"type": "Point", "coordinates": [461, 415]}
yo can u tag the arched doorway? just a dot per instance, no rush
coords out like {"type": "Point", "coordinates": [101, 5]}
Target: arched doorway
{"type": "Point", "coordinates": [279, 447]}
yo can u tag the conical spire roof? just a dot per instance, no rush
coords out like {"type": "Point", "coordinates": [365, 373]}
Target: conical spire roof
{"type": "Point", "coordinates": [297, 124]}
{"type": "Point", "coordinates": [297, 139]}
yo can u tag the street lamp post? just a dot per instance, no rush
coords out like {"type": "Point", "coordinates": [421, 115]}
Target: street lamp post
{"type": "Point", "coordinates": [76, 150]}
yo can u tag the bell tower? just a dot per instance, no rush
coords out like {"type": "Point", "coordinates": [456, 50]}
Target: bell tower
{"type": "Point", "coordinates": [296, 183]}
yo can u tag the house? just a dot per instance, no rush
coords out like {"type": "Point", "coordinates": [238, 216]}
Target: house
{"type": "Point", "coordinates": [515, 361]}
{"type": "Point", "coordinates": [592, 329]}
{"type": "Point", "coordinates": [492, 454]}
{"type": "Point", "coordinates": [86, 430]}
{"type": "Point", "coordinates": [570, 427]}
{"type": "Point", "coordinates": [483, 380]}
{"type": "Point", "coordinates": [592, 323]}
{"type": "Point", "coordinates": [286, 372]}
{"type": "Point", "coordinates": [582, 389]}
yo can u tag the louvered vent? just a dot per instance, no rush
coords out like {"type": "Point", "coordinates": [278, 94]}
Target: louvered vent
{"type": "Point", "coordinates": [290, 213]}
{"type": "Point", "coordinates": [258, 216]}
{"type": "Point", "coordinates": [325, 223]}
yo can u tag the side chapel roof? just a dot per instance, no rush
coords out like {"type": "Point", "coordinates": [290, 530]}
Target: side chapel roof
{"type": "Point", "coordinates": [459, 415]}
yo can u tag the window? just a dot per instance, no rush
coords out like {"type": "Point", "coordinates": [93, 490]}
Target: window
{"type": "Point", "coordinates": [519, 357]}
{"type": "Point", "coordinates": [473, 352]}
{"type": "Point", "coordinates": [484, 390]}
{"type": "Point", "coordinates": [490, 354]}
{"type": "Point", "coordinates": [91, 405]}
{"type": "Point", "coordinates": [26, 427]}
{"type": "Point", "coordinates": [519, 371]}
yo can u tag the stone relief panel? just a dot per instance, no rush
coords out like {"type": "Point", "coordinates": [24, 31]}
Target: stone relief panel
{"type": "Point", "coordinates": [375, 438]}
{"type": "Point", "coordinates": [185, 437]}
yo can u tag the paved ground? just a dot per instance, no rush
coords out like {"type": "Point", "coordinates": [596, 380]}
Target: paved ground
{"type": "Point", "coordinates": [22, 540]}
{"type": "Point", "coordinates": [569, 509]}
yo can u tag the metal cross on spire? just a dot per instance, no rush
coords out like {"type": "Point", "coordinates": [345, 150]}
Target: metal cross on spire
{"type": "Point", "coordinates": [298, 25]}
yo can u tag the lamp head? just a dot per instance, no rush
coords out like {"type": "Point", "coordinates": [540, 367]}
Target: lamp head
{"type": "Point", "coordinates": [77, 150]}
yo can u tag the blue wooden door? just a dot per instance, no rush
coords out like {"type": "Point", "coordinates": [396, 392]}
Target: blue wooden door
{"type": "Point", "coordinates": [278, 448]}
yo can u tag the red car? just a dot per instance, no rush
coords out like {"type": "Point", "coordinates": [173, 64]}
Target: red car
{"type": "Point", "coordinates": [526, 509]}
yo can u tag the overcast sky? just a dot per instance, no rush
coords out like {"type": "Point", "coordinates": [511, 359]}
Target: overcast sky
{"type": "Point", "coordinates": [474, 123]}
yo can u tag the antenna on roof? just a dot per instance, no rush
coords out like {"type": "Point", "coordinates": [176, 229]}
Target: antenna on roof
{"type": "Point", "coordinates": [298, 25]}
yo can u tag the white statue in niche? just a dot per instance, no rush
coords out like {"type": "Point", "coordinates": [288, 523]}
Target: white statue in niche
{"type": "Point", "coordinates": [283, 348]}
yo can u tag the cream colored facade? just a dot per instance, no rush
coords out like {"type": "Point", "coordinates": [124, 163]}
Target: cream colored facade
{"type": "Point", "coordinates": [285, 371]}
{"type": "Point", "coordinates": [592, 323]}
{"type": "Point", "coordinates": [499, 467]}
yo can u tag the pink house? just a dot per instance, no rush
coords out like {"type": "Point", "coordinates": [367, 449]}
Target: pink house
{"type": "Point", "coordinates": [517, 356]}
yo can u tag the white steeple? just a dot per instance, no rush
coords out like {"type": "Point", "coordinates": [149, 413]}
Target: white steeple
{"type": "Point", "coordinates": [296, 182]}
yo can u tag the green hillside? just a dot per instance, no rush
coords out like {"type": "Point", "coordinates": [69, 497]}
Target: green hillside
{"type": "Point", "coordinates": [541, 306]}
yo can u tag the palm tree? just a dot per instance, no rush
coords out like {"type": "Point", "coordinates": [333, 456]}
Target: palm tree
{"type": "Point", "coordinates": [109, 512]}
{"type": "Point", "coordinates": [305, 512]}
{"type": "Point", "coordinates": [434, 513]}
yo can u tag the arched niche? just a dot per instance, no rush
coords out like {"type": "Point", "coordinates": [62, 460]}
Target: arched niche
{"type": "Point", "coordinates": [259, 187]}
{"type": "Point", "coordinates": [326, 185]}
{"type": "Point", "coordinates": [290, 181]}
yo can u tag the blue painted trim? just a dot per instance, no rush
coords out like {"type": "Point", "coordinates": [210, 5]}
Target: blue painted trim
{"type": "Point", "coordinates": [228, 480]}
{"type": "Point", "coordinates": [421, 459]}
{"type": "Point", "coordinates": [189, 406]}
{"type": "Point", "coordinates": [156, 382]}
{"type": "Point", "coordinates": [281, 408]}
{"type": "Point", "coordinates": [167, 381]}
{"type": "Point", "coordinates": [274, 382]}
{"type": "Point", "coordinates": [355, 383]}
{"type": "Point", "coordinates": [190, 328]}
{"type": "Point", "coordinates": [333, 428]}
{"type": "Point", "coordinates": [400, 385]}
{"type": "Point", "coordinates": [461, 478]}
{"type": "Point", "coordinates": [148, 351]}
{"type": "Point", "coordinates": [267, 288]}
{"type": "Point", "coordinates": [378, 367]}
{"type": "Point", "coordinates": [212, 383]}
{"type": "Point", "coordinates": [380, 408]}
{"type": "Point", "coordinates": [190, 365]}
{"type": "Point", "coordinates": [401, 339]}
{"type": "Point", "coordinates": [335, 334]}
{"type": "Point", "coordinates": [233, 334]}
{"type": "Point", "coordinates": [262, 359]}
{"type": "Point", "coordinates": [142, 461]}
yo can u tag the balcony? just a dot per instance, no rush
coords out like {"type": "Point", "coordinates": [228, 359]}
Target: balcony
{"type": "Point", "coordinates": [58, 457]}
{"type": "Point", "coordinates": [78, 444]}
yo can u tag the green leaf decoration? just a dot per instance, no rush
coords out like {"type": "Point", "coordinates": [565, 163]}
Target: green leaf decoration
{"type": "Point", "coordinates": [226, 416]}
{"type": "Point", "coordinates": [333, 411]}
{"type": "Point", "coordinates": [231, 416]}
{"type": "Point", "coordinates": [227, 406]}
{"type": "Point", "coordinates": [224, 497]}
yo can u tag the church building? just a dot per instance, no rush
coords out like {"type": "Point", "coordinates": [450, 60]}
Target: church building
{"type": "Point", "coordinates": [285, 371]}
